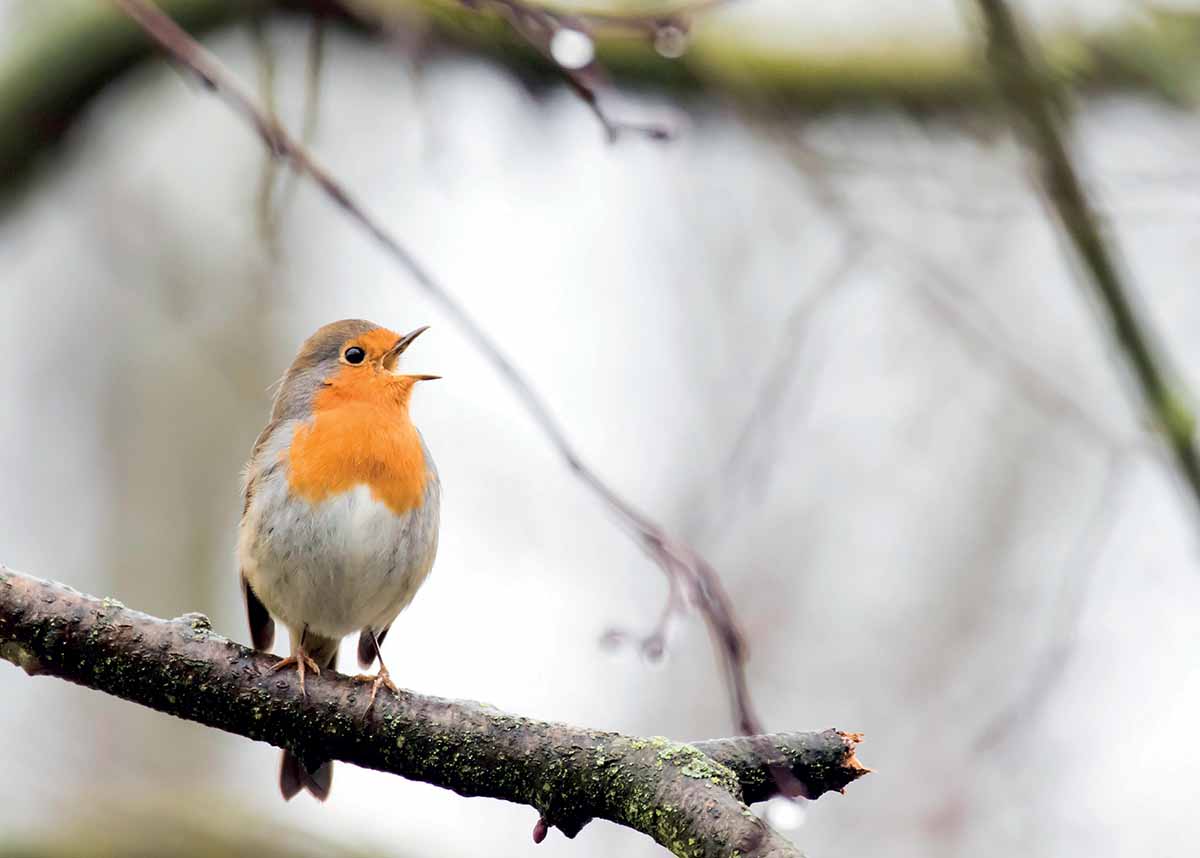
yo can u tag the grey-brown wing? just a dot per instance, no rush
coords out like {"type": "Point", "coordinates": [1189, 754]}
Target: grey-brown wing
{"type": "Point", "coordinates": [252, 468]}
{"type": "Point", "coordinates": [366, 645]}
{"type": "Point", "coordinates": [262, 627]}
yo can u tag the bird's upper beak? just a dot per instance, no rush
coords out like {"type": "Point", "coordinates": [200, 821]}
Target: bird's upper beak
{"type": "Point", "coordinates": [392, 356]}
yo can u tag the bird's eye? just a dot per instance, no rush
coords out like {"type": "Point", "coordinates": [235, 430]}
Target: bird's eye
{"type": "Point", "coordinates": [354, 355]}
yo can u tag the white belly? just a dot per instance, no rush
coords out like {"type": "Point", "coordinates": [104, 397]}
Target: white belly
{"type": "Point", "coordinates": [336, 566]}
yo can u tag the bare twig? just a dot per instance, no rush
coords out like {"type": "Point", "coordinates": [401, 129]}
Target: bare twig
{"type": "Point", "coordinates": [690, 798]}
{"type": "Point", "coordinates": [685, 569]}
{"type": "Point", "coordinates": [934, 286]}
{"type": "Point", "coordinates": [265, 209]}
{"type": "Point", "coordinates": [314, 62]}
{"type": "Point", "coordinates": [274, 197]}
{"type": "Point", "coordinates": [1055, 655]}
{"type": "Point", "coordinates": [652, 644]}
{"type": "Point", "coordinates": [1039, 120]}
{"type": "Point", "coordinates": [543, 27]}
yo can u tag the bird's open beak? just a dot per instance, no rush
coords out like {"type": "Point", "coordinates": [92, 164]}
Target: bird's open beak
{"type": "Point", "coordinates": [392, 356]}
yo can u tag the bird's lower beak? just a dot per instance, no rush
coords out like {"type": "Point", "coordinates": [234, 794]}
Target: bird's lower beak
{"type": "Point", "coordinates": [392, 356]}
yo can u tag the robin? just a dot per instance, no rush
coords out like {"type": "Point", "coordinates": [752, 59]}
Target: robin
{"type": "Point", "coordinates": [340, 523]}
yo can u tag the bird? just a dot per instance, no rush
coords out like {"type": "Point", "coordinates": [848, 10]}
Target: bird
{"type": "Point", "coordinates": [340, 518]}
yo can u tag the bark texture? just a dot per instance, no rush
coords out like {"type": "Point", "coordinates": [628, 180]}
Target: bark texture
{"type": "Point", "coordinates": [691, 798]}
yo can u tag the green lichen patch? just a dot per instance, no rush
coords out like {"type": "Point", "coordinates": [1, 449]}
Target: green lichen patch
{"type": "Point", "coordinates": [640, 744]}
{"type": "Point", "coordinates": [21, 656]}
{"type": "Point", "coordinates": [694, 763]}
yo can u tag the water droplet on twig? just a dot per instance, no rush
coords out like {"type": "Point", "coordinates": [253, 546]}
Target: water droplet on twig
{"type": "Point", "coordinates": [572, 49]}
{"type": "Point", "coordinates": [785, 814]}
{"type": "Point", "coordinates": [671, 41]}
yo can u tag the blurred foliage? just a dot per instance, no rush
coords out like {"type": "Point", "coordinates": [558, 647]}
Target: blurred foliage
{"type": "Point", "coordinates": [1159, 50]}
{"type": "Point", "coordinates": [67, 50]}
{"type": "Point", "coordinates": [60, 54]}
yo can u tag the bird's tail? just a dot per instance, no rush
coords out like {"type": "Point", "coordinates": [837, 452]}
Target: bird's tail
{"type": "Point", "coordinates": [293, 774]}
{"type": "Point", "coordinates": [293, 777]}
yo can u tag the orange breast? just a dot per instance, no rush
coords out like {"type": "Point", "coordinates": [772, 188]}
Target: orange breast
{"type": "Point", "coordinates": [359, 443]}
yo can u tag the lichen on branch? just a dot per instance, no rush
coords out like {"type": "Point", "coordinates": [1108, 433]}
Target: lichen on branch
{"type": "Point", "coordinates": [691, 798]}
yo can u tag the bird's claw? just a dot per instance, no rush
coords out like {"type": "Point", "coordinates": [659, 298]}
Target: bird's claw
{"type": "Point", "coordinates": [381, 678]}
{"type": "Point", "coordinates": [300, 661]}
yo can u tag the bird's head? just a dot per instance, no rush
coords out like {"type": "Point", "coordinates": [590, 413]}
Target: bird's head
{"type": "Point", "coordinates": [350, 360]}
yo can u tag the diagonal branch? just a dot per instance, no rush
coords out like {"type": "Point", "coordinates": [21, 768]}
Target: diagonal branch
{"type": "Point", "coordinates": [683, 566]}
{"type": "Point", "coordinates": [689, 798]}
{"type": "Point", "coordinates": [1038, 118]}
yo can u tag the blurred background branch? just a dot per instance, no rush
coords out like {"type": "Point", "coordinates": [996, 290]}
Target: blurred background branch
{"type": "Point", "coordinates": [1039, 118]}
{"type": "Point", "coordinates": [689, 798]}
{"type": "Point", "coordinates": [71, 51]}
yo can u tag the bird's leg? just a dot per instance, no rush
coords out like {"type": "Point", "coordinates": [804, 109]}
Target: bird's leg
{"type": "Point", "coordinates": [299, 660]}
{"type": "Point", "coordinates": [380, 678]}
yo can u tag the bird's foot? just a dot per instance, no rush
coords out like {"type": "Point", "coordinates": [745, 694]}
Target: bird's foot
{"type": "Point", "coordinates": [300, 661]}
{"type": "Point", "coordinates": [382, 678]}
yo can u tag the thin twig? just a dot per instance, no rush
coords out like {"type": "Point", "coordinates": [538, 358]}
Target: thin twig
{"type": "Point", "coordinates": [265, 207]}
{"type": "Point", "coordinates": [275, 196]}
{"type": "Point", "coordinates": [685, 569]}
{"type": "Point", "coordinates": [747, 468]}
{"type": "Point", "coordinates": [314, 62]}
{"type": "Point", "coordinates": [1051, 663]}
{"type": "Point", "coordinates": [1039, 120]}
{"type": "Point", "coordinates": [934, 286]}
{"type": "Point", "coordinates": [652, 644]}
{"type": "Point", "coordinates": [539, 26]}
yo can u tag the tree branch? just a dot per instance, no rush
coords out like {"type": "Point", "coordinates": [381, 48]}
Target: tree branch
{"type": "Point", "coordinates": [689, 798]}
{"type": "Point", "coordinates": [1038, 119]}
